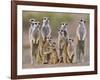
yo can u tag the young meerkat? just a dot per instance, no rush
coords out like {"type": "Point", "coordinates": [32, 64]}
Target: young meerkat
{"type": "Point", "coordinates": [70, 50]}
{"type": "Point", "coordinates": [46, 50]}
{"type": "Point", "coordinates": [43, 50]}
{"type": "Point", "coordinates": [53, 54]}
{"type": "Point", "coordinates": [65, 56]}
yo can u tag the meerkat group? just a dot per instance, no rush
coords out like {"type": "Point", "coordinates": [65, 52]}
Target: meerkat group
{"type": "Point", "coordinates": [44, 50]}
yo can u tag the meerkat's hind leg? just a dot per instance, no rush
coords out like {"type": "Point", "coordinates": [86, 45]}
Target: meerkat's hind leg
{"type": "Point", "coordinates": [71, 58]}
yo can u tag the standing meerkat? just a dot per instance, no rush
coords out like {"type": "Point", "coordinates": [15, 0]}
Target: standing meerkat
{"type": "Point", "coordinates": [33, 38]}
{"type": "Point", "coordinates": [45, 29]}
{"type": "Point", "coordinates": [81, 35]}
{"type": "Point", "coordinates": [31, 28]}
{"type": "Point", "coordinates": [62, 38]}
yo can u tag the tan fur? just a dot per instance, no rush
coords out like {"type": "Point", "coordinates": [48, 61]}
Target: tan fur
{"type": "Point", "coordinates": [70, 54]}
{"type": "Point", "coordinates": [39, 56]}
{"type": "Point", "coordinates": [53, 56]}
{"type": "Point", "coordinates": [65, 53]}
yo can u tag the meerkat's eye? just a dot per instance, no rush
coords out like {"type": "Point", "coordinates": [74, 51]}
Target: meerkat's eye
{"type": "Point", "coordinates": [32, 23]}
{"type": "Point", "coordinates": [84, 21]}
{"type": "Point", "coordinates": [32, 20]}
{"type": "Point", "coordinates": [35, 23]}
{"type": "Point", "coordinates": [62, 23]}
{"type": "Point", "coordinates": [44, 18]}
{"type": "Point", "coordinates": [39, 23]}
{"type": "Point", "coordinates": [61, 30]}
{"type": "Point", "coordinates": [66, 24]}
{"type": "Point", "coordinates": [81, 20]}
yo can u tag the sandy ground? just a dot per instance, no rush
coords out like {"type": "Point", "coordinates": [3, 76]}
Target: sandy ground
{"type": "Point", "coordinates": [26, 62]}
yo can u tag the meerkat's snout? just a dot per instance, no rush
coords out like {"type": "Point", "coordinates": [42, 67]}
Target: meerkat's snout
{"type": "Point", "coordinates": [71, 40]}
{"type": "Point", "coordinates": [46, 19]}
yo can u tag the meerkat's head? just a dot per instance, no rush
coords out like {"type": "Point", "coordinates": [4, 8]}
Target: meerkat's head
{"type": "Point", "coordinates": [53, 45]}
{"type": "Point", "coordinates": [35, 24]}
{"type": "Point", "coordinates": [49, 39]}
{"type": "Point", "coordinates": [31, 20]}
{"type": "Point", "coordinates": [38, 24]}
{"type": "Point", "coordinates": [70, 40]}
{"type": "Point", "coordinates": [45, 20]}
{"type": "Point", "coordinates": [82, 22]}
{"type": "Point", "coordinates": [65, 26]}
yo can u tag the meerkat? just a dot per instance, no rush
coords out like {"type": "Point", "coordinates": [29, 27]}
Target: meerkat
{"type": "Point", "coordinates": [62, 38]}
{"type": "Point", "coordinates": [65, 56]}
{"type": "Point", "coordinates": [70, 50]}
{"type": "Point", "coordinates": [43, 50]}
{"type": "Point", "coordinates": [31, 21]}
{"type": "Point", "coordinates": [81, 36]}
{"type": "Point", "coordinates": [31, 28]}
{"type": "Point", "coordinates": [53, 54]}
{"type": "Point", "coordinates": [35, 33]}
{"type": "Point", "coordinates": [45, 29]}
{"type": "Point", "coordinates": [46, 51]}
{"type": "Point", "coordinates": [33, 38]}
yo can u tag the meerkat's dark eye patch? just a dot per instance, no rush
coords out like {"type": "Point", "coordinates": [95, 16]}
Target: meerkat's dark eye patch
{"type": "Point", "coordinates": [35, 23]}
{"type": "Point", "coordinates": [44, 18]}
{"type": "Point", "coordinates": [32, 20]}
{"type": "Point", "coordinates": [81, 20]}
{"type": "Point", "coordinates": [38, 23]}
{"type": "Point", "coordinates": [66, 24]}
{"type": "Point", "coordinates": [69, 39]}
{"type": "Point", "coordinates": [84, 21]}
{"type": "Point", "coordinates": [62, 23]}
{"type": "Point", "coordinates": [61, 30]}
